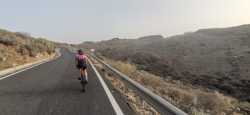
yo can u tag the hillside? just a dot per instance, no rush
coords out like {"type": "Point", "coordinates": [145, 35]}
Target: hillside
{"type": "Point", "coordinates": [19, 48]}
{"type": "Point", "coordinates": [217, 59]}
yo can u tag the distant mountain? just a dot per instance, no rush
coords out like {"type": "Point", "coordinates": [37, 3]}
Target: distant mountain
{"type": "Point", "coordinates": [152, 37]}
{"type": "Point", "coordinates": [212, 58]}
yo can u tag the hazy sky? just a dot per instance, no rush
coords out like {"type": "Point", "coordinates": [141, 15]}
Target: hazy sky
{"type": "Point", "coordinates": [87, 20]}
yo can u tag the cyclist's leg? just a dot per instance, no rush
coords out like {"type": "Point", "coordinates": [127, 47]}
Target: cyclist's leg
{"type": "Point", "coordinates": [84, 78]}
{"type": "Point", "coordinates": [81, 73]}
{"type": "Point", "coordinates": [85, 74]}
{"type": "Point", "coordinates": [83, 81]}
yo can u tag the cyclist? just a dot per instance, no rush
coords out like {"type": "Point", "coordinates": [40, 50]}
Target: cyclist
{"type": "Point", "coordinates": [81, 64]}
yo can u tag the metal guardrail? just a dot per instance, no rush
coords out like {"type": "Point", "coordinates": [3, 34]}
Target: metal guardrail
{"type": "Point", "coordinates": [164, 107]}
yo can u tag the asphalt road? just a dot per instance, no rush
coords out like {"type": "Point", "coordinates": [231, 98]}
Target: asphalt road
{"type": "Point", "coordinates": [53, 89]}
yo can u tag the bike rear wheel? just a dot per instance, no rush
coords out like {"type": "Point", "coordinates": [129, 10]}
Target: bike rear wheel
{"type": "Point", "coordinates": [83, 84]}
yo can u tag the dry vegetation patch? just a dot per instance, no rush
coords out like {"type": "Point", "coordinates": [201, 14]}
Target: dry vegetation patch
{"type": "Point", "coordinates": [20, 48]}
{"type": "Point", "coordinates": [194, 100]}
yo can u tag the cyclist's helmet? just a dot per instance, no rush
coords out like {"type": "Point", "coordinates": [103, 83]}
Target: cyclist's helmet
{"type": "Point", "coordinates": [80, 52]}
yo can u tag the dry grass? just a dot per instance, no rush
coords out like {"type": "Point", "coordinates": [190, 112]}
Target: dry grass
{"type": "Point", "coordinates": [193, 100]}
{"type": "Point", "coordinates": [19, 48]}
{"type": "Point", "coordinates": [10, 57]}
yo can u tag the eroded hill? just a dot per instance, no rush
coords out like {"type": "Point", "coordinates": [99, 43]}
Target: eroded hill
{"type": "Point", "coordinates": [211, 58]}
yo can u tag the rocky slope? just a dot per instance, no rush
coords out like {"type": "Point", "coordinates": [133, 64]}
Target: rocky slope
{"type": "Point", "coordinates": [211, 58]}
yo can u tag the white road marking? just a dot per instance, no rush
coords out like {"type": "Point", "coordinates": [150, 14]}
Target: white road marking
{"type": "Point", "coordinates": [21, 71]}
{"type": "Point", "coordinates": [112, 100]}
{"type": "Point", "coordinates": [9, 75]}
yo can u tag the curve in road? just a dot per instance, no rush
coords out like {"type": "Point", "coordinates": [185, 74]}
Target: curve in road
{"type": "Point", "coordinates": [53, 89]}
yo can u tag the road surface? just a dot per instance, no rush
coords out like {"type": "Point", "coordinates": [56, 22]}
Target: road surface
{"type": "Point", "coordinates": [53, 89]}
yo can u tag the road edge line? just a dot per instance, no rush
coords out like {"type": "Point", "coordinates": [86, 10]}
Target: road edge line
{"type": "Point", "coordinates": [111, 98]}
{"type": "Point", "coordinates": [30, 67]}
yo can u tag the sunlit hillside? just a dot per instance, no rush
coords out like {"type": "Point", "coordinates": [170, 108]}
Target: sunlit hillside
{"type": "Point", "coordinates": [19, 48]}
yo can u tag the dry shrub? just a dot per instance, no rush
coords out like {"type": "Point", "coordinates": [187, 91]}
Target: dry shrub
{"type": "Point", "coordinates": [8, 40]}
{"type": "Point", "coordinates": [149, 81]}
{"type": "Point", "coordinates": [181, 96]}
{"type": "Point", "coordinates": [126, 68]}
{"type": "Point", "coordinates": [214, 102]}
